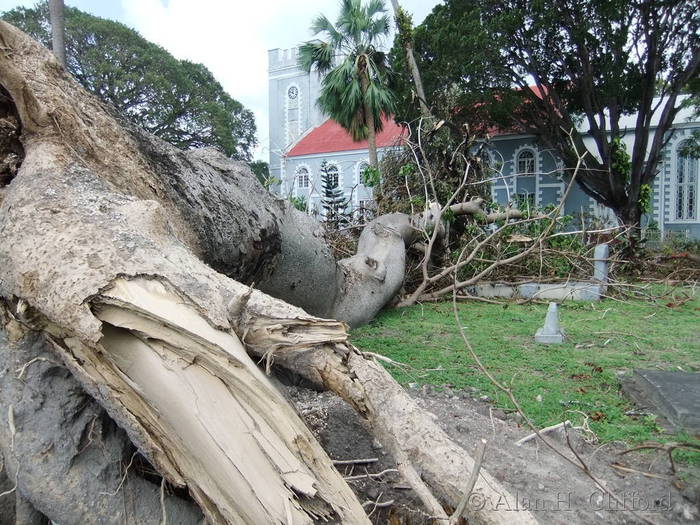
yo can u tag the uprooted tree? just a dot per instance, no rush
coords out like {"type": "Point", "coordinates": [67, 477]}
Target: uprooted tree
{"type": "Point", "coordinates": [136, 282]}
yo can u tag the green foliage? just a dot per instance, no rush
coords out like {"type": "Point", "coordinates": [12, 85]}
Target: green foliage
{"type": "Point", "coordinates": [404, 24]}
{"type": "Point", "coordinates": [177, 100]}
{"type": "Point", "coordinates": [653, 225]}
{"type": "Point", "coordinates": [361, 76]}
{"type": "Point", "coordinates": [620, 162]}
{"type": "Point", "coordinates": [298, 202]}
{"type": "Point", "coordinates": [449, 216]}
{"type": "Point", "coordinates": [675, 244]}
{"type": "Point", "coordinates": [407, 170]}
{"type": "Point", "coordinates": [456, 58]}
{"type": "Point", "coordinates": [560, 257]}
{"type": "Point", "coordinates": [693, 89]}
{"type": "Point", "coordinates": [261, 169]}
{"type": "Point", "coordinates": [589, 58]}
{"type": "Point", "coordinates": [371, 176]}
{"type": "Point", "coordinates": [445, 154]}
{"type": "Point", "coordinates": [691, 147]}
{"type": "Point", "coordinates": [645, 196]}
{"type": "Point", "coordinates": [568, 377]}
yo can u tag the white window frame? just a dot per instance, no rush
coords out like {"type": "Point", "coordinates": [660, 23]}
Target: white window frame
{"type": "Point", "coordinates": [534, 160]}
{"type": "Point", "coordinates": [514, 190]}
{"type": "Point", "coordinates": [302, 171]}
{"type": "Point", "coordinates": [695, 185]}
{"type": "Point", "coordinates": [359, 170]}
{"type": "Point", "coordinates": [295, 182]}
{"type": "Point", "coordinates": [333, 164]}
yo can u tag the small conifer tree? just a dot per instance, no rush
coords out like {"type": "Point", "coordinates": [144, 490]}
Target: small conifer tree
{"type": "Point", "coordinates": [333, 202]}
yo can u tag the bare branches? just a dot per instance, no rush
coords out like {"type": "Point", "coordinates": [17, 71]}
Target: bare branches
{"type": "Point", "coordinates": [551, 428]}
{"type": "Point", "coordinates": [370, 475]}
{"type": "Point", "coordinates": [466, 219]}
{"type": "Point", "coordinates": [666, 447]}
{"type": "Point", "coordinates": [457, 515]}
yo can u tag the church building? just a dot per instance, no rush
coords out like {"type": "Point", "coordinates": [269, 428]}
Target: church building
{"type": "Point", "coordinates": [302, 138]}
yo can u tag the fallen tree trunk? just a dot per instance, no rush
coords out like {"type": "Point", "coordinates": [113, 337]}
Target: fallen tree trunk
{"type": "Point", "coordinates": [67, 449]}
{"type": "Point", "coordinates": [133, 259]}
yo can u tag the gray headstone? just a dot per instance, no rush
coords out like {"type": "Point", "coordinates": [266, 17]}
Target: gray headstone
{"type": "Point", "coordinates": [673, 395]}
{"type": "Point", "coordinates": [551, 332]}
{"type": "Point", "coordinates": [600, 263]}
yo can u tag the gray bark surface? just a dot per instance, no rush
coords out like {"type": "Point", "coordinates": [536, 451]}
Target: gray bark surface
{"type": "Point", "coordinates": [68, 449]}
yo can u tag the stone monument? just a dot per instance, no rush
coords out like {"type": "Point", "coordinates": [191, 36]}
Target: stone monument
{"type": "Point", "coordinates": [551, 332]}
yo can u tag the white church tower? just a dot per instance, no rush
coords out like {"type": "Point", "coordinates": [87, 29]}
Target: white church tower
{"type": "Point", "coordinates": [292, 104]}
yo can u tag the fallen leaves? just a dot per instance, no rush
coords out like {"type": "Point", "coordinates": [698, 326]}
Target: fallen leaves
{"type": "Point", "coordinates": [597, 415]}
{"type": "Point", "coordinates": [597, 369]}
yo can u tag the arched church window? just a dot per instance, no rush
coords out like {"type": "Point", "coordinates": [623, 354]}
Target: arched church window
{"type": "Point", "coordinates": [333, 175]}
{"type": "Point", "coordinates": [525, 162]}
{"type": "Point", "coordinates": [302, 177]}
{"type": "Point", "coordinates": [361, 168]}
{"type": "Point", "coordinates": [686, 183]}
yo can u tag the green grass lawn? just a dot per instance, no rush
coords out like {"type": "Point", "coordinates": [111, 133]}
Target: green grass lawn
{"type": "Point", "coordinates": [604, 340]}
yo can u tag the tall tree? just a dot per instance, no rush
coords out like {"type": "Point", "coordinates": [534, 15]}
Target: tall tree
{"type": "Point", "coordinates": [354, 90]}
{"type": "Point", "coordinates": [333, 200]}
{"type": "Point", "coordinates": [592, 62]}
{"type": "Point", "coordinates": [58, 30]}
{"type": "Point", "coordinates": [177, 100]}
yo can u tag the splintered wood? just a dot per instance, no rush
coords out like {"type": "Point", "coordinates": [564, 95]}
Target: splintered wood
{"type": "Point", "coordinates": [229, 435]}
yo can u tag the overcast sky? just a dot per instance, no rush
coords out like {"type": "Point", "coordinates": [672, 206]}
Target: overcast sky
{"type": "Point", "coordinates": [230, 37]}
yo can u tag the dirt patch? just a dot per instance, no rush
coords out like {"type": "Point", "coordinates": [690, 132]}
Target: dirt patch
{"type": "Point", "coordinates": [556, 491]}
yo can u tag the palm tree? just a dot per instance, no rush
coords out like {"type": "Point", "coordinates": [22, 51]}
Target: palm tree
{"type": "Point", "coordinates": [354, 89]}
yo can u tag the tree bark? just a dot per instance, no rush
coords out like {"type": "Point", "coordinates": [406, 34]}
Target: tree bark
{"type": "Point", "coordinates": [71, 456]}
{"type": "Point", "coordinates": [58, 30]}
{"type": "Point", "coordinates": [137, 263]}
{"type": "Point", "coordinates": [411, 61]}
{"type": "Point", "coordinates": [369, 117]}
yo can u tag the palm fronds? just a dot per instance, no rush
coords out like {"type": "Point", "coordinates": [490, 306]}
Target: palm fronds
{"type": "Point", "coordinates": [354, 37]}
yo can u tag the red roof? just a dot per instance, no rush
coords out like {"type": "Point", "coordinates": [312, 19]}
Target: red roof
{"type": "Point", "coordinates": [329, 137]}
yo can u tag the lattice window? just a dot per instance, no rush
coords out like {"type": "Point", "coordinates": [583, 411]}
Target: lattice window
{"type": "Point", "coordinates": [526, 162]}
{"type": "Point", "coordinates": [525, 200]}
{"type": "Point", "coordinates": [687, 185]}
{"type": "Point", "coordinates": [361, 167]}
{"type": "Point", "coordinates": [333, 176]}
{"type": "Point", "coordinates": [302, 178]}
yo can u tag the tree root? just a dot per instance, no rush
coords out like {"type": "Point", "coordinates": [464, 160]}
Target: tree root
{"type": "Point", "coordinates": [429, 460]}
